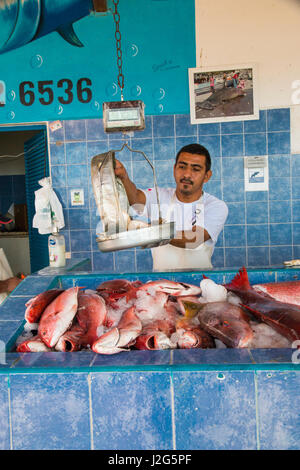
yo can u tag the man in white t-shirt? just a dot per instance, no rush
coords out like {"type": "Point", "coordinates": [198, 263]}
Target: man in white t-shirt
{"type": "Point", "coordinates": [199, 217]}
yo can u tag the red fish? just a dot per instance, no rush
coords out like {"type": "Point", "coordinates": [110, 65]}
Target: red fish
{"type": "Point", "coordinates": [91, 315]}
{"type": "Point", "coordinates": [71, 340]}
{"type": "Point", "coordinates": [121, 337]}
{"type": "Point", "coordinates": [58, 316]}
{"type": "Point", "coordinates": [287, 291]}
{"type": "Point", "coordinates": [116, 289]}
{"type": "Point", "coordinates": [190, 335]}
{"type": "Point", "coordinates": [171, 287]}
{"type": "Point", "coordinates": [156, 335]}
{"type": "Point", "coordinates": [227, 323]}
{"type": "Point", "coordinates": [37, 304]}
{"type": "Point", "coordinates": [34, 344]}
{"type": "Point", "coordinates": [283, 317]}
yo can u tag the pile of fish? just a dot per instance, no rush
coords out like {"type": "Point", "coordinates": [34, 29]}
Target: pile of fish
{"type": "Point", "coordinates": [121, 315]}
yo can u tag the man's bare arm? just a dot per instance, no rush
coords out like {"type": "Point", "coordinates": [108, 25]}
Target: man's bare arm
{"type": "Point", "coordinates": [135, 195]}
{"type": "Point", "coordinates": [190, 238]}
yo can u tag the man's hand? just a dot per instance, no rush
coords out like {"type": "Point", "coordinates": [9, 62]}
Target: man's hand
{"type": "Point", "coordinates": [120, 171]}
{"type": "Point", "coordinates": [190, 238]}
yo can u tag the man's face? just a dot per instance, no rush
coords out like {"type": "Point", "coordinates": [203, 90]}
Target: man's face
{"type": "Point", "coordinates": [190, 173]}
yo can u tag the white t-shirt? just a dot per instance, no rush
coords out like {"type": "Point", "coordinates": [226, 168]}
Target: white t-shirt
{"type": "Point", "coordinates": [208, 212]}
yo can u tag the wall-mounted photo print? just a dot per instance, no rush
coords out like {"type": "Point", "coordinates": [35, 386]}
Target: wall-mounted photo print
{"type": "Point", "coordinates": [225, 93]}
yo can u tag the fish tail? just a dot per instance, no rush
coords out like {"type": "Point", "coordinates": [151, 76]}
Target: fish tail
{"type": "Point", "coordinates": [240, 280]}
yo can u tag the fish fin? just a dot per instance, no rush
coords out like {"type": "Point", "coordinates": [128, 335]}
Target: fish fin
{"type": "Point", "coordinates": [68, 34]}
{"type": "Point", "coordinates": [205, 277]}
{"type": "Point", "coordinates": [240, 280]}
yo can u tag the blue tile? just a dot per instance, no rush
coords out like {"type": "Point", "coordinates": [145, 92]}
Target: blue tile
{"type": "Point", "coordinates": [144, 260]}
{"type": "Point", "coordinates": [258, 235]}
{"type": "Point", "coordinates": [233, 190]}
{"type": "Point", "coordinates": [212, 143]}
{"type": "Point", "coordinates": [95, 129]}
{"type": "Point", "coordinates": [143, 145]}
{"type": "Point", "coordinates": [257, 212]}
{"type": "Point", "coordinates": [278, 143]}
{"type": "Point", "coordinates": [255, 144]}
{"type": "Point", "coordinates": [212, 356]}
{"type": "Point", "coordinates": [58, 176]}
{"type": "Point", "coordinates": [236, 213]}
{"type": "Point", "coordinates": [233, 168]}
{"type": "Point", "coordinates": [278, 119]}
{"type": "Point", "coordinates": [181, 142]}
{"type": "Point", "coordinates": [164, 149]}
{"type": "Point", "coordinates": [235, 127]}
{"type": "Point", "coordinates": [75, 130]}
{"type": "Point", "coordinates": [296, 252]}
{"type": "Point", "coordinates": [76, 153]}
{"type": "Point", "coordinates": [216, 169]}
{"type": "Point", "coordinates": [142, 420]}
{"type": "Point", "coordinates": [280, 234]}
{"type": "Point", "coordinates": [232, 145]}
{"type": "Point", "coordinates": [66, 412]}
{"type": "Point", "coordinates": [103, 262]}
{"type": "Point", "coordinates": [183, 126]}
{"type": "Point", "coordinates": [80, 240]}
{"type": "Point", "coordinates": [258, 256]}
{"type": "Point", "coordinates": [295, 162]}
{"type": "Point", "coordinates": [78, 219]}
{"type": "Point", "coordinates": [77, 176]}
{"type": "Point", "coordinates": [278, 254]}
{"type": "Point", "coordinates": [32, 285]}
{"type": "Point", "coordinates": [234, 235]}
{"type": "Point", "coordinates": [218, 258]}
{"type": "Point", "coordinates": [296, 211]}
{"type": "Point", "coordinates": [279, 166]}
{"type": "Point", "coordinates": [205, 401]}
{"type": "Point", "coordinates": [136, 357]}
{"type": "Point", "coordinates": [235, 257]}
{"type": "Point", "coordinates": [213, 187]}
{"type": "Point", "coordinates": [14, 308]}
{"type": "Point", "coordinates": [163, 126]}
{"type": "Point", "coordinates": [147, 132]}
{"type": "Point", "coordinates": [57, 153]}
{"type": "Point", "coordinates": [296, 234]}
{"type": "Point", "coordinates": [164, 172]}
{"type": "Point", "coordinates": [295, 188]}
{"type": "Point", "coordinates": [57, 135]}
{"type": "Point", "coordinates": [257, 196]}
{"type": "Point", "coordinates": [125, 261]}
{"type": "Point", "coordinates": [96, 148]}
{"type": "Point", "coordinates": [278, 405]}
{"type": "Point", "coordinates": [143, 174]}
{"type": "Point", "coordinates": [280, 211]}
{"type": "Point", "coordinates": [209, 129]}
{"type": "Point", "coordinates": [4, 414]}
{"type": "Point", "coordinates": [256, 125]}
{"type": "Point", "coordinates": [279, 189]}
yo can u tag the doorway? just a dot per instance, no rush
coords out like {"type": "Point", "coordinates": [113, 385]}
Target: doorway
{"type": "Point", "coordinates": [24, 160]}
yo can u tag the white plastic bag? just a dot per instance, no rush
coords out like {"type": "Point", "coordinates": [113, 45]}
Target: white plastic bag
{"type": "Point", "coordinates": [5, 271]}
{"type": "Point", "coordinates": [48, 209]}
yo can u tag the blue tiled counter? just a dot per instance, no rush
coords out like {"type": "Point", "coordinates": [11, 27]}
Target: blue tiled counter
{"type": "Point", "coordinates": [156, 400]}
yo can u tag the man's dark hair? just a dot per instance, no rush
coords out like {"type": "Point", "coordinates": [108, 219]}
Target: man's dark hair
{"type": "Point", "coordinates": [196, 149]}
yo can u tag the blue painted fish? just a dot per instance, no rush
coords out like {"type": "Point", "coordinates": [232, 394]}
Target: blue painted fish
{"type": "Point", "coordinates": [23, 21]}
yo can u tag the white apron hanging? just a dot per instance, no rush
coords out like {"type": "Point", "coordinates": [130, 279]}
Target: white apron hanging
{"type": "Point", "coordinates": [169, 257]}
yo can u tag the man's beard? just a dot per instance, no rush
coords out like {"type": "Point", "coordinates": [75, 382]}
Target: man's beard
{"type": "Point", "coordinates": [187, 187]}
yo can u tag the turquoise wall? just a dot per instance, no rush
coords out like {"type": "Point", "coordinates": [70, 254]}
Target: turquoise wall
{"type": "Point", "coordinates": [158, 44]}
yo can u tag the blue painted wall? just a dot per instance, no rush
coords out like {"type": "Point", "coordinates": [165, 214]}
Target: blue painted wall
{"type": "Point", "coordinates": [262, 229]}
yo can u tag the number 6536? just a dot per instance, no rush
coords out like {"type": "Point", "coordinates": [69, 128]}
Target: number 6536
{"type": "Point", "coordinates": [46, 94]}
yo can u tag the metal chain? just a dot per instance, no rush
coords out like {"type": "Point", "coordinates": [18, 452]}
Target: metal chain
{"type": "Point", "coordinates": [118, 45]}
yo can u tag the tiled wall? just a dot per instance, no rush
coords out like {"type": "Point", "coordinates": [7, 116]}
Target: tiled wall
{"type": "Point", "coordinates": [12, 189]}
{"type": "Point", "coordinates": [262, 229]}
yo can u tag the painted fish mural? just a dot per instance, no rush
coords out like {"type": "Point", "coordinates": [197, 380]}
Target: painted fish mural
{"type": "Point", "coordinates": [23, 21]}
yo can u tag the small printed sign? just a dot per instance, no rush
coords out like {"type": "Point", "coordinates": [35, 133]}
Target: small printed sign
{"type": "Point", "coordinates": [256, 173]}
{"type": "Point", "coordinates": [77, 197]}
